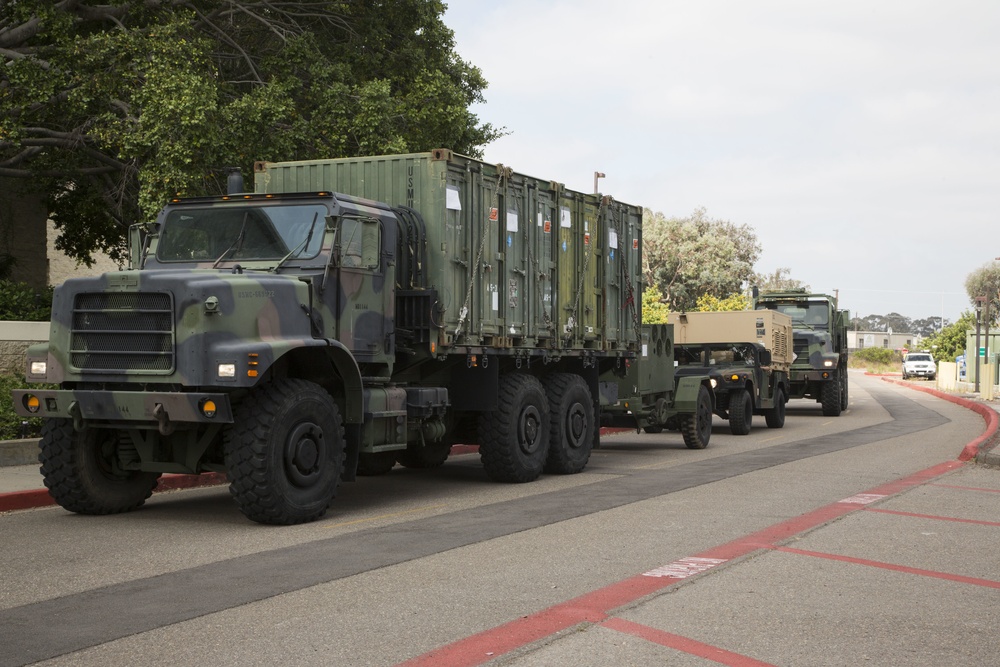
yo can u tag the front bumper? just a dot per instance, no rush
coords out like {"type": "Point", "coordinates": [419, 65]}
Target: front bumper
{"type": "Point", "coordinates": [124, 406]}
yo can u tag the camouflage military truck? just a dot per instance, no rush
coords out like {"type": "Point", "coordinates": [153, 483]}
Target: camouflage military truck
{"type": "Point", "coordinates": [746, 354]}
{"type": "Point", "coordinates": [819, 366]}
{"type": "Point", "coordinates": [295, 336]}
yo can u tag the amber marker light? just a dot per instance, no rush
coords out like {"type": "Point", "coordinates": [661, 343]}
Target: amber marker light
{"type": "Point", "coordinates": [31, 403]}
{"type": "Point", "coordinates": [207, 407]}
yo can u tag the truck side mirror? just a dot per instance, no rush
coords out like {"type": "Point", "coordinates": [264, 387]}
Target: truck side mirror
{"type": "Point", "coordinates": [765, 357]}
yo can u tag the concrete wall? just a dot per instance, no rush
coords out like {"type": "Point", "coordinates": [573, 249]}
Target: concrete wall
{"type": "Point", "coordinates": [15, 339]}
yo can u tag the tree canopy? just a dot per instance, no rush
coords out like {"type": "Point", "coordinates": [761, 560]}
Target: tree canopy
{"type": "Point", "coordinates": [778, 281]}
{"type": "Point", "coordinates": [109, 107]}
{"type": "Point", "coordinates": [985, 281]}
{"type": "Point", "coordinates": [686, 258]}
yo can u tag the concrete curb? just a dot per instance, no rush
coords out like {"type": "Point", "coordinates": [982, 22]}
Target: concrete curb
{"type": "Point", "coordinates": [982, 448]}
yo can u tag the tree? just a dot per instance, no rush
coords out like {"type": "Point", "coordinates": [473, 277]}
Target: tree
{"type": "Point", "coordinates": [950, 341]}
{"type": "Point", "coordinates": [779, 281]}
{"type": "Point", "coordinates": [711, 303]}
{"type": "Point", "coordinates": [686, 258]}
{"type": "Point", "coordinates": [108, 108]}
{"type": "Point", "coordinates": [654, 311]}
{"type": "Point", "coordinates": [985, 281]}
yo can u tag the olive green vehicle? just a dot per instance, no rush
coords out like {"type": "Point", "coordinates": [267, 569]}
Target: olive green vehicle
{"type": "Point", "coordinates": [819, 367]}
{"type": "Point", "coordinates": [745, 354]}
{"type": "Point", "coordinates": [306, 332]}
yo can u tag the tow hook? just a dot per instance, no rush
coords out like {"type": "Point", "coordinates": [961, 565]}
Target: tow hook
{"type": "Point", "coordinates": [163, 419]}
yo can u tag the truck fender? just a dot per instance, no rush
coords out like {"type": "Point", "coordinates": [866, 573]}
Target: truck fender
{"type": "Point", "coordinates": [686, 396]}
{"type": "Point", "coordinates": [347, 368]}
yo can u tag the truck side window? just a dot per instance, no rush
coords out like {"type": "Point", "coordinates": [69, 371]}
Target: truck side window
{"type": "Point", "coordinates": [360, 242]}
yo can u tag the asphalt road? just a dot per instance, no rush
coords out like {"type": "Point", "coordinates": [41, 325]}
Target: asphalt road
{"type": "Point", "coordinates": [832, 541]}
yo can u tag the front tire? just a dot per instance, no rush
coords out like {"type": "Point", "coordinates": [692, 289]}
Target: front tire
{"type": "Point", "coordinates": [697, 428]}
{"type": "Point", "coordinates": [514, 438]}
{"type": "Point", "coordinates": [775, 417]}
{"type": "Point", "coordinates": [80, 469]}
{"type": "Point", "coordinates": [571, 422]}
{"type": "Point", "coordinates": [830, 396]}
{"type": "Point", "coordinates": [740, 412]}
{"type": "Point", "coordinates": [285, 452]}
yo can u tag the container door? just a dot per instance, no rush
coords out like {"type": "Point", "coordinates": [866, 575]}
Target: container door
{"type": "Point", "coordinates": [514, 290]}
{"type": "Point", "coordinates": [543, 306]}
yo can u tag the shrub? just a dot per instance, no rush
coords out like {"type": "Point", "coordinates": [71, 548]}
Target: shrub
{"type": "Point", "coordinates": [21, 302]}
{"type": "Point", "coordinates": [876, 359]}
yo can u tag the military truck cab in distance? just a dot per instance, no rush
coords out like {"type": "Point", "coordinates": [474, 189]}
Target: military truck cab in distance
{"type": "Point", "coordinates": [819, 366]}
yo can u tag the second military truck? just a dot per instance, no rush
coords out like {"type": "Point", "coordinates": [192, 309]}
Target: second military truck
{"type": "Point", "coordinates": [819, 366]}
{"type": "Point", "coordinates": [344, 316]}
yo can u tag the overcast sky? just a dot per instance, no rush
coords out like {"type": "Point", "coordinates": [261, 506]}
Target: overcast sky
{"type": "Point", "coordinates": [860, 139]}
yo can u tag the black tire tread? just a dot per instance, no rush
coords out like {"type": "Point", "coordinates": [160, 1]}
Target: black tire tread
{"type": "Point", "coordinates": [246, 453]}
{"type": "Point", "coordinates": [693, 437]}
{"type": "Point", "coordinates": [740, 412]}
{"type": "Point", "coordinates": [77, 491]}
{"type": "Point", "coordinates": [497, 439]}
{"type": "Point", "coordinates": [562, 461]}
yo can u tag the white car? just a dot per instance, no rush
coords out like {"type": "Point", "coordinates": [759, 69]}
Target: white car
{"type": "Point", "coordinates": [920, 364]}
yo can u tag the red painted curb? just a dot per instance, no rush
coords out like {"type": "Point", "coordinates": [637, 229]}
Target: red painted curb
{"type": "Point", "coordinates": [988, 414]}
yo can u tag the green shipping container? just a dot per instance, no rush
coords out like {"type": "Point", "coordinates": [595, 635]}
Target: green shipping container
{"type": "Point", "coordinates": [516, 261]}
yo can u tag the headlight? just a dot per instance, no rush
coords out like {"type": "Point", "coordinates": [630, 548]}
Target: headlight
{"type": "Point", "coordinates": [227, 370]}
{"type": "Point", "coordinates": [713, 382]}
{"type": "Point", "coordinates": [38, 368]}
{"type": "Point", "coordinates": [829, 363]}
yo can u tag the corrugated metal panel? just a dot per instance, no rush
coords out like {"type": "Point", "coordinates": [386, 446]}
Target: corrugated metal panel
{"type": "Point", "coordinates": [538, 271]}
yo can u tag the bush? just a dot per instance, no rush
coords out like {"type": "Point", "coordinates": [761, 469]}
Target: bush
{"type": "Point", "coordinates": [21, 302]}
{"type": "Point", "coordinates": [877, 355]}
{"type": "Point", "coordinates": [11, 426]}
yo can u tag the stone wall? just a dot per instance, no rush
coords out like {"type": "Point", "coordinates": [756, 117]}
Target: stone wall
{"type": "Point", "coordinates": [15, 339]}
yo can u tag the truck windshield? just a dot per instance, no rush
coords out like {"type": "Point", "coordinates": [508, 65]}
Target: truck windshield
{"type": "Point", "coordinates": [813, 314]}
{"type": "Point", "coordinates": [241, 232]}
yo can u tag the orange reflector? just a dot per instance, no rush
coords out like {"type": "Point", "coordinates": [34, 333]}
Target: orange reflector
{"type": "Point", "coordinates": [31, 403]}
{"type": "Point", "coordinates": [208, 407]}
{"type": "Point", "coordinates": [252, 373]}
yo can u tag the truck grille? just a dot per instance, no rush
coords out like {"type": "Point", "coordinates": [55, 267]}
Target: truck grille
{"type": "Point", "coordinates": [800, 346]}
{"type": "Point", "coordinates": [118, 332]}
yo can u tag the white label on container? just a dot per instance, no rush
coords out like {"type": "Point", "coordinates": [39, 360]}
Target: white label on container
{"type": "Point", "coordinates": [496, 301]}
{"type": "Point", "coordinates": [511, 220]}
{"type": "Point", "coordinates": [564, 218]}
{"type": "Point", "coordinates": [453, 201]}
{"type": "Point", "coordinates": [612, 239]}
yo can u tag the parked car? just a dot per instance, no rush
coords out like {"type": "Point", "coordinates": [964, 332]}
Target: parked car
{"type": "Point", "coordinates": [919, 364]}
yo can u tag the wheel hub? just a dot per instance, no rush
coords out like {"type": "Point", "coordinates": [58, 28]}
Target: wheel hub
{"type": "Point", "coordinates": [576, 426]}
{"type": "Point", "coordinates": [304, 454]}
{"type": "Point", "coordinates": [528, 427]}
